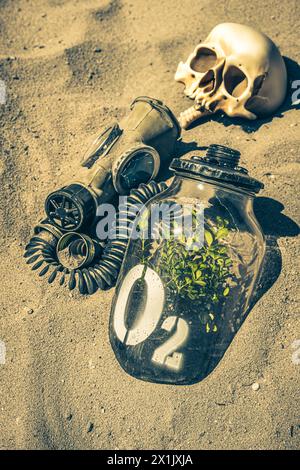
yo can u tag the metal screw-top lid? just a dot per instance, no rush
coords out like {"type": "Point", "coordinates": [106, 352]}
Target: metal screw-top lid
{"type": "Point", "coordinates": [219, 164]}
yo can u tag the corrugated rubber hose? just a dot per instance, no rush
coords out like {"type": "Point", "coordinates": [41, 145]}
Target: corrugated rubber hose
{"type": "Point", "coordinates": [103, 271]}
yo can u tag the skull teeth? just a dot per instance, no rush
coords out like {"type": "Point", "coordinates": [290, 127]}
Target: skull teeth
{"type": "Point", "coordinates": [187, 117]}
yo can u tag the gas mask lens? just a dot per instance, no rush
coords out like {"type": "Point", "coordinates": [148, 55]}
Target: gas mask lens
{"type": "Point", "coordinates": [136, 167]}
{"type": "Point", "coordinates": [138, 170]}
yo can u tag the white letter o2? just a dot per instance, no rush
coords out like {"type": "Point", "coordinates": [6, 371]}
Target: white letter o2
{"type": "Point", "coordinates": [147, 321]}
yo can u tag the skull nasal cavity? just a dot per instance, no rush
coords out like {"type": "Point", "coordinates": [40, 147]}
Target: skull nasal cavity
{"type": "Point", "coordinates": [235, 81]}
{"type": "Point", "coordinates": [208, 81]}
{"type": "Point", "coordinates": [204, 60]}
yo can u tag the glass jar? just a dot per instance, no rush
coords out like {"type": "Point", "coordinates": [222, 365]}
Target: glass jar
{"type": "Point", "coordinates": [190, 269]}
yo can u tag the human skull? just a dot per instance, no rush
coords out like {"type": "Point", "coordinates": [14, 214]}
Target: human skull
{"type": "Point", "coordinates": [237, 70]}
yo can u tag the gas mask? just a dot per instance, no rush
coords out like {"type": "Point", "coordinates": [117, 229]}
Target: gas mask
{"type": "Point", "coordinates": [123, 160]}
{"type": "Point", "coordinates": [121, 157]}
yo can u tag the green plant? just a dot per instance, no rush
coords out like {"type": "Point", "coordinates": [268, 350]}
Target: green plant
{"type": "Point", "coordinates": [199, 273]}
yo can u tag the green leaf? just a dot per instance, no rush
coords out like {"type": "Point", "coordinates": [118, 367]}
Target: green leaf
{"type": "Point", "coordinates": [191, 296]}
{"type": "Point", "coordinates": [194, 266]}
{"type": "Point", "coordinates": [222, 233]}
{"type": "Point", "coordinates": [226, 291]}
{"type": "Point", "coordinates": [198, 274]}
{"type": "Point", "coordinates": [208, 237]}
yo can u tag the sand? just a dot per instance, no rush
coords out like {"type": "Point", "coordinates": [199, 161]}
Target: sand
{"type": "Point", "coordinates": [69, 68]}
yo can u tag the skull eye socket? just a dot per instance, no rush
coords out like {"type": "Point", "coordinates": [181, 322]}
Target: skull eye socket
{"type": "Point", "coordinates": [235, 81]}
{"type": "Point", "coordinates": [204, 60]}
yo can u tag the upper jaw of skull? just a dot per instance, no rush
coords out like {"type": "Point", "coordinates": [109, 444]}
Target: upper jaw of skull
{"type": "Point", "coordinates": [221, 101]}
{"type": "Point", "coordinates": [209, 101]}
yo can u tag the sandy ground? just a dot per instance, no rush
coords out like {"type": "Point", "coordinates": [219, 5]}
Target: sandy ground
{"type": "Point", "coordinates": [71, 67]}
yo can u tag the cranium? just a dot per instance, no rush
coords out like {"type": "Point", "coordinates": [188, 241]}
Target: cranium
{"type": "Point", "coordinates": [237, 70]}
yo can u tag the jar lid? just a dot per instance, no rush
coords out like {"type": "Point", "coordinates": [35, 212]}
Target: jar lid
{"type": "Point", "coordinates": [219, 164]}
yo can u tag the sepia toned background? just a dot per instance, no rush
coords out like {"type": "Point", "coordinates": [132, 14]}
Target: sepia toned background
{"type": "Point", "coordinates": [70, 67]}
